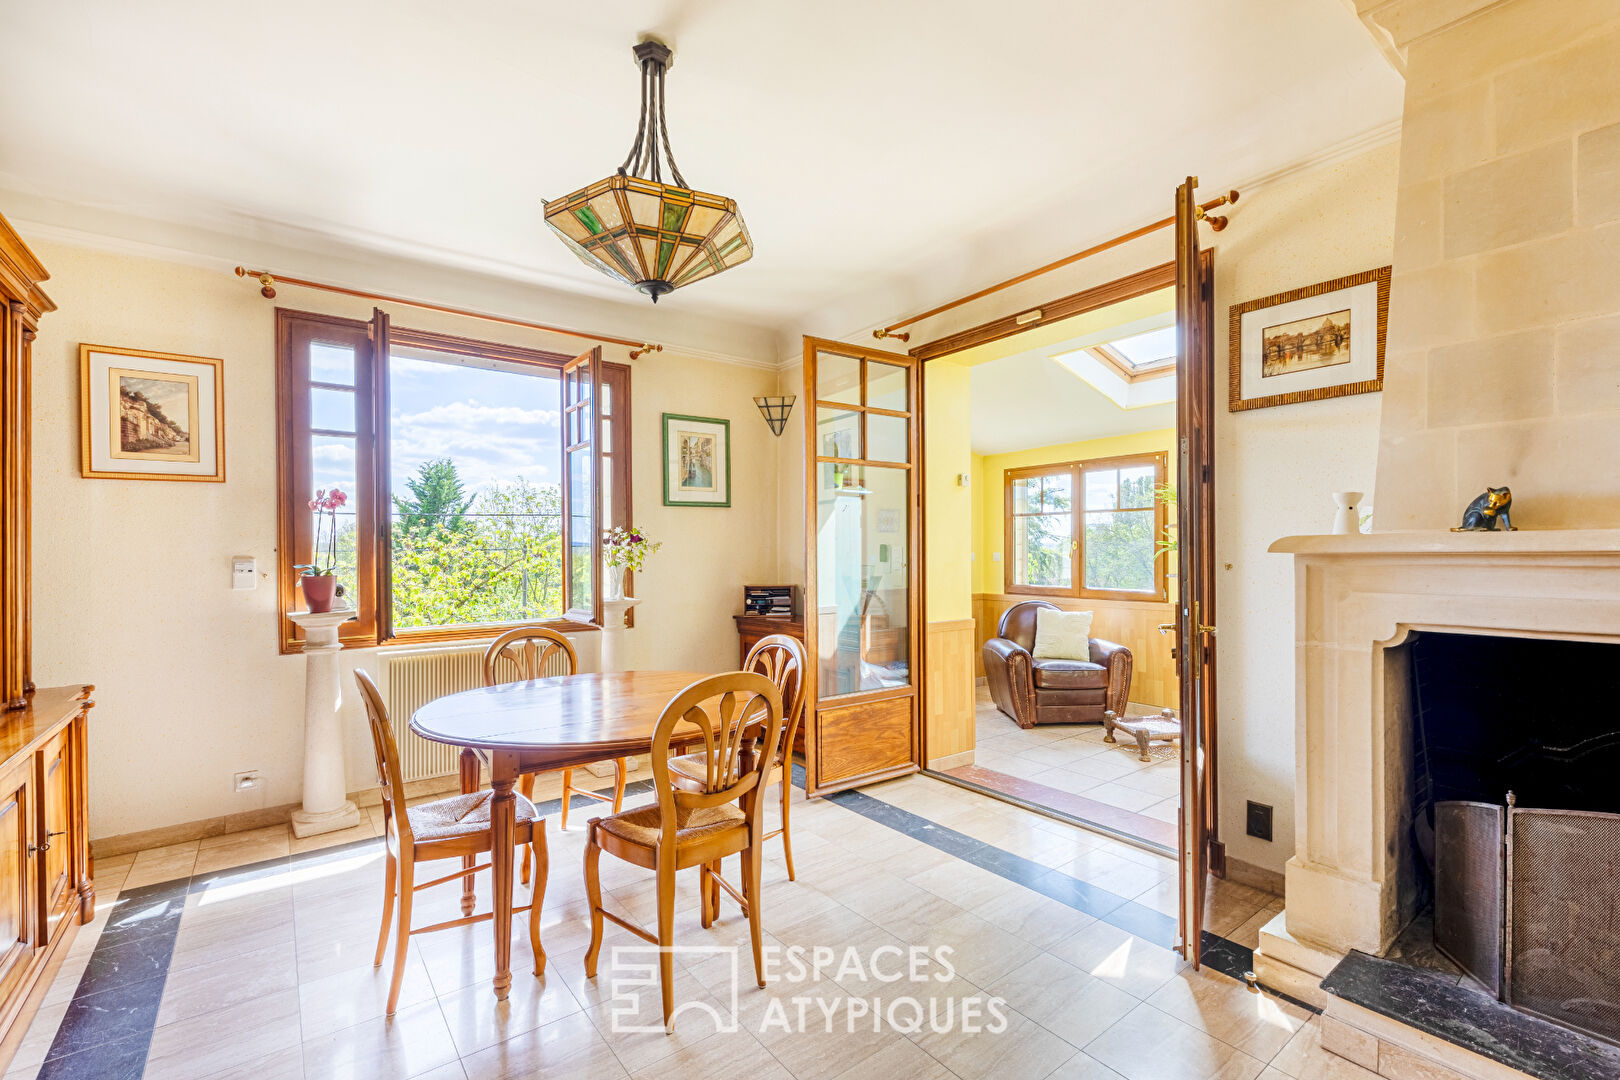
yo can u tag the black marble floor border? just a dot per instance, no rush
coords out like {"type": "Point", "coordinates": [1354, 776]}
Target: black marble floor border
{"type": "Point", "coordinates": [1219, 953]}
{"type": "Point", "coordinates": [107, 1030]}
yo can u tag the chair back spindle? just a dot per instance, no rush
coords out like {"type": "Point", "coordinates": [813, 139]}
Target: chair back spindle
{"type": "Point", "coordinates": [781, 659]}
{"type": "Point", "coordinates": [743, 707]}
{"type": "Point", "coordinates": [523, 652]}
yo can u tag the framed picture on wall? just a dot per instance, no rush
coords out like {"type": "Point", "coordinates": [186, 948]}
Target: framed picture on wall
{"type": "Point", "coordinates": [1307, 344]}
{"type": "Point", "coordinates": [150, 415]}
{"type": "Point", "coordinates": [697, 461]}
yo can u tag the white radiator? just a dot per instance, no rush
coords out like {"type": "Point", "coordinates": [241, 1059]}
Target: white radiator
{"type": "Point", "coordinates": [418, 676]}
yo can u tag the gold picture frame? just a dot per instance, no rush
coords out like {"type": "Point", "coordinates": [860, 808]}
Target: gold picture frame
{"type": "Point", "coordinates": [1321, 341]}
{"type": "Point", "coordinates": [147, 415]}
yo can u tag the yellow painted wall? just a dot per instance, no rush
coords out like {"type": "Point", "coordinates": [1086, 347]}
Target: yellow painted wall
{"type": "Point", "coordinates": [990, 535]}
{"type": "Point", "coordinates": [949, 525]}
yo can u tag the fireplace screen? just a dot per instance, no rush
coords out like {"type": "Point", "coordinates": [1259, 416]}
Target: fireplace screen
{"type": "Point", "coordinates": [1528, 903]}
{"type": "Point", "coordinates": [1563, 947]}
{"type": "Point", "coordinates": [1469, 868]}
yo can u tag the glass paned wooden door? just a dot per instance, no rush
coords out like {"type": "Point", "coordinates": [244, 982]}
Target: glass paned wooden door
{"type": "Point", "coordinates": [861, 547]}
{"type": "Point", "coordinates": [582, 494]}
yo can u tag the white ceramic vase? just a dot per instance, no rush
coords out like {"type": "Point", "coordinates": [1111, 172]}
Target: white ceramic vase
{"type": "Point", "coordinates": [1348, 518]}
{"type": "Point", "coordinates": [613, 583]}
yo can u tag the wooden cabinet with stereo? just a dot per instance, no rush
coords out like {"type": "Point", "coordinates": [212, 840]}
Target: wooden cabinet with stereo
{"type": "Point", "coordinates": [750, 628]}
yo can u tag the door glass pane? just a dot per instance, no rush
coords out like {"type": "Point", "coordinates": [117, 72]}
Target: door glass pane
{"type": "Point", "coordinates": [331, 410]}
{"type": "Point", "coordinates": [886, 437]}
{"type": "Point", "coordinates": [332, 462]}
{"type": "Point", "coordinates": [1119, 551]}
{"type": "Point", "coordinates": [838, 378]}
{"type": "Point", "coordinates": [886, 387]}
{"type": "Point", "coordinates": [838, 433]}
{"type": "Point", "coordinates": [331, 363]}
{"type": "Point", "coordinates": [1136, 486]}
{"type": "Point", "coordinates": [863, 579]}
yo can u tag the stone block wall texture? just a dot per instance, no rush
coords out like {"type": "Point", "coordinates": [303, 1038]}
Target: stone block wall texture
{"type": "Point", "coordinates": [1503, 356]}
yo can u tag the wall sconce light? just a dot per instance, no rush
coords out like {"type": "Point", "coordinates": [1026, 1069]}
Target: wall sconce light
{"type": "Point", "coordinates": [776, 410]}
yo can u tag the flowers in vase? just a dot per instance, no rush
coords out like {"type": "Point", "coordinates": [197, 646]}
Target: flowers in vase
{"type": "Point", "coordinates": [627, 547]}
{"type": "Point", "coordinates": [325, 504]}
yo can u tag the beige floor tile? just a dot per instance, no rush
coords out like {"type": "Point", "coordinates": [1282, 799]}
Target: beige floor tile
{"type": "Point", "coordinates": [199, 1047]}
{"type": "Point", "coordinates": [1120, 959]}
{"type": "Point", "coordinates": [900, 1059]}
{"type": "Point", "coordinates": [1151, 1045]}
{"type": "Point", "coordinates": [1084, 1067]}
{"type": "Point", "coordinates": [240, 849]}
{"type": "Point", "coordinates": [1063, 999]}
{"type": "Point", "coordinates": [565, 1049]}
{"type": "Point", "coordinates": [981, 951]}
{"type": "Point", "coordinates": [414, 1041]}
{"type": "Point", "coordinates": [1022, 1049]}
{"type": "Point", "coordinates": [477, 1020]}
{"type": "Point", "coordinates": [352, 997]}
{"type": "Point", "coordinates": [236, 980]}
{"type": "Point", "coordinates": [1126, 798]}
{"type": "Point", "coordinates": [728, 1056]}
{"type": "Point", "coordinates": [1251, 1020]}
{"type": "Point", "coordinates": [162, 864]}
{"type": "Point", "coordinates": [1037, 919]}
{"type": "Point", "coordinates": [36, 1043]}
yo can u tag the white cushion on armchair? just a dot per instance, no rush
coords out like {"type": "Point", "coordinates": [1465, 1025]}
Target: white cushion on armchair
{"type": "Point", "coordinates": [1062, 635]}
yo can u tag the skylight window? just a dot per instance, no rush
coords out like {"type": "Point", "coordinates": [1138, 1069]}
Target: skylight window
{"type": "Point", "coordinates": [1146, 350]}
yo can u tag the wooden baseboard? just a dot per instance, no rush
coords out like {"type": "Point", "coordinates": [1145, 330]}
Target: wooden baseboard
{"type": "Point", "coordinates": [1256, 877]}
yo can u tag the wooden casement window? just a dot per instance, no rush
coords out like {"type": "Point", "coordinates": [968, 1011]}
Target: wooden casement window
{"type": "Point", "coordinates": [479, 477]}
{"type": "Point", "coordinates": [1087, 529]}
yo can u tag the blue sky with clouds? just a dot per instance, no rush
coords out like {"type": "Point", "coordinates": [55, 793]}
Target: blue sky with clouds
{"type": "Point", "coordinates": [495, 425]}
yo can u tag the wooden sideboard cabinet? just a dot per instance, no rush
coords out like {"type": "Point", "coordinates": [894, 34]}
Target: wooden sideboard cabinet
{"type": "Point", "coordinates": [750, 628]}
{"type": "Point", "coordinates": [45, 885]}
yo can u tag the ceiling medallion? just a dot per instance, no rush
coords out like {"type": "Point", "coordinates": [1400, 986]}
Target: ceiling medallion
{"type": "Point", "coordinates": [637, 229]}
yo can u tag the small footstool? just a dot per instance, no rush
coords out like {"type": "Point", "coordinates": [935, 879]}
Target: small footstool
{"type": "Point", "coordinates": [1166, 727]}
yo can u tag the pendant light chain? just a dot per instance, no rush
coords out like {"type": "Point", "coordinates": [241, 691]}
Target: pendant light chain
{"type": "Point", "coordinates": [643, 159]}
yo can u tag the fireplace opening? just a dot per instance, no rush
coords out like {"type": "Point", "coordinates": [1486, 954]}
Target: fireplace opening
{"type": "Point", "coordinates": [1508, 870]}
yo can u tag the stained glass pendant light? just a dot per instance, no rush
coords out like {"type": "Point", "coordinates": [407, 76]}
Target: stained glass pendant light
{"type": "Point", "coordinates": [636, 228]}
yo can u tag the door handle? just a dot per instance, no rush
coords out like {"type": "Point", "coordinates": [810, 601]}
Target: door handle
{"type": "Point", "coordinates": [1166, 627]}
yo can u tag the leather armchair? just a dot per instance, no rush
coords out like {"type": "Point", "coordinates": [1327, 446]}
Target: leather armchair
{"type": "Point", "coordinates": [1031, 691]}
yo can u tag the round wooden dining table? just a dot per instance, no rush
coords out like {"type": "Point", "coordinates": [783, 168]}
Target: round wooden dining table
{"type": "Point", "coordinates": [537, 726]}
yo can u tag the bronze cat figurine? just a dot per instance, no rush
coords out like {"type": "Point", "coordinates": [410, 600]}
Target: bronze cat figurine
{"type": "Point", "coordinates": [1484, 512]}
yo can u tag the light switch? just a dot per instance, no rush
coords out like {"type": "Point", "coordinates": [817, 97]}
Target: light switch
{"type": "Point", "coordinates": [244, 572]}
{"type": "Point", "coordinates": [995, 556]}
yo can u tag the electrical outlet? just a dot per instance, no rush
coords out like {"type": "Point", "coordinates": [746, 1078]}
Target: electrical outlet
{"type": "Point", "coordinates": [248, 781]}
{"type": "Point", "coordinates": [1259, 821]}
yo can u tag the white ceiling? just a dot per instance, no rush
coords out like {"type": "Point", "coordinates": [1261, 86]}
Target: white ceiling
{"type": "Point", "coordinates": [1029, 400]}
{"type": "Point", "coordinates": [865, 141]}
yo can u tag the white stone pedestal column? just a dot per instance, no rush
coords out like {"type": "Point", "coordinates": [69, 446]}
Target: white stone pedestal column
{"type": "Point", "coordinates": [326, 795]}
{"type": "Point", "coordinates": [613, 612]}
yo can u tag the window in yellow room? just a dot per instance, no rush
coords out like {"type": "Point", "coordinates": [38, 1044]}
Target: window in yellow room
{"type": "Point", "coordinates": [1086, 529]}
{"type": "Point", "coordinates": [469, 517]}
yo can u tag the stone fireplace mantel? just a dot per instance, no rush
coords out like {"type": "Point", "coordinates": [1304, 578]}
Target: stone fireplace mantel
{"type": "Point", "coordinates": [1358, 598]}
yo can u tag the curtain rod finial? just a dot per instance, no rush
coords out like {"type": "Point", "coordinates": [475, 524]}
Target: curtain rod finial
{"type": "Point", "coordinates": [636, 354]}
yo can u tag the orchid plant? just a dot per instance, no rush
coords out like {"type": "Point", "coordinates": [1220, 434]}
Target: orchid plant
{"type": "Point", "coordinates": [325, 504]}
{"type": "Point", "coordinates": [626, 547]}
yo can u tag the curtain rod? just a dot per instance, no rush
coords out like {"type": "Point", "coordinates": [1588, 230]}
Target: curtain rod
{"type": "Point", "coordinates": [1216, 223]}
{"type": "Point", "coordinates": [267, 288]}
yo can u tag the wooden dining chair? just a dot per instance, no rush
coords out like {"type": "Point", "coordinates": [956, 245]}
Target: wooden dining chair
{"type": "Point", "coordinates": [695, 828]}
{"type": "Point", "coordinates": [523, 653]}
{"type": "Point", "coordinates": [454, 828]}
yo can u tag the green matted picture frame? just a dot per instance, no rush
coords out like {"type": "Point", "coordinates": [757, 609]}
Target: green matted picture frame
{"type": "Point", "coordinates": [697, 460]}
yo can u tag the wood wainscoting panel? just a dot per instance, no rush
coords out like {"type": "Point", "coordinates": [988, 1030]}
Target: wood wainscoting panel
{"type": "Point", "coordinates": [1131, 623]}
{"type": "Point", "coordinates": [948, 700]}
{"type": "Point", "coordinates": [865, 737]}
